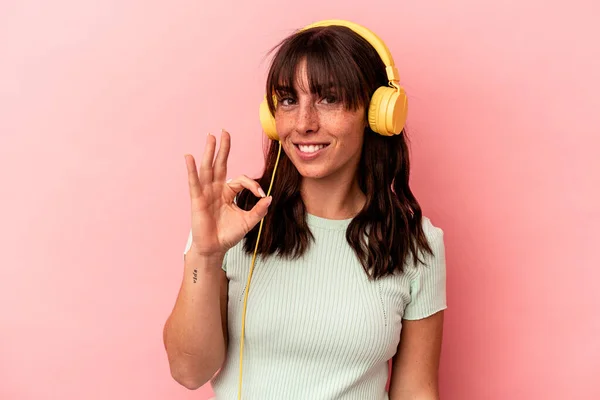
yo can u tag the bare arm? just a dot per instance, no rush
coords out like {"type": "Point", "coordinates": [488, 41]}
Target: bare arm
{"type": "Point", "coordinates": [415, 366]}
{"type": "Point", "coordinates": [195, 334]}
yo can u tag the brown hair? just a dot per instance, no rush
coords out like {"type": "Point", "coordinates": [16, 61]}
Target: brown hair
{"type": "Point", "coordinates": [391, 217]}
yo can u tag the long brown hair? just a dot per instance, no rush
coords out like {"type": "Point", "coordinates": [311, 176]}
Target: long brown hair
{"type": "Point", "coordinates": [391, 217]}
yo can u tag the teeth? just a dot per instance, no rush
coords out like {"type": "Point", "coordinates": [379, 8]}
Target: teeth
{"type": "Point", "coordinates": [311, 148]}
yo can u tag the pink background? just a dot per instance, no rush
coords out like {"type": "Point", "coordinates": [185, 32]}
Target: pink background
{"type": "Point", "coordinates": [99, 100]}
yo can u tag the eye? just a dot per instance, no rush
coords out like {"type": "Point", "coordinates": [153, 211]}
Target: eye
{"type": "Point", "coordinates": [286, 101]}
{"type": "Point", "coordinates": [329, 99]}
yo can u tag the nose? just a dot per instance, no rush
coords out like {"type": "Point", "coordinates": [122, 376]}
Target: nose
{"type": "Point", "coordinates": [307, 118]}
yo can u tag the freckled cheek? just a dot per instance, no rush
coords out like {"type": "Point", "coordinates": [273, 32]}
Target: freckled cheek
{"type": "Point", "coordinates": [284, 131]}
{"type": "Point", "coordinates": [284, 134]}
{"type": "Point", "coordinates": [330, 119]}
{"type": "Point", "coordinates": [349, 143]}
{"type": "Point", "coordinates": [283, 121]}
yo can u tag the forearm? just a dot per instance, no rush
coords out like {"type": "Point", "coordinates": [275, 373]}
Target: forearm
{"type": "Point", "coordinates": [193, 334]}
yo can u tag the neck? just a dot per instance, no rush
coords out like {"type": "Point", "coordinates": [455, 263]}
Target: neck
{"type": "Point", "coordinates": [340, 199]}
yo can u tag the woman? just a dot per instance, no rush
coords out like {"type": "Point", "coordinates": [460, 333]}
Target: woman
{"type": "Point", "coordinates": [348, 273]}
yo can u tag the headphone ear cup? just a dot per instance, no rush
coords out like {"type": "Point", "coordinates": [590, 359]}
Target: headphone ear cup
{"type": "Point", "coordinates": [388, 109]}
{"type": "Point", "coordinates": [268, 121]}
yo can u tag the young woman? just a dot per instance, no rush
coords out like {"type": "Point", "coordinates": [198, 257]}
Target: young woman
{"type": "Point", "coordinates": [348, 274]}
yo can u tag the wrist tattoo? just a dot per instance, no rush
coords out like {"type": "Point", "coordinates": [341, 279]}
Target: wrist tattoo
{"type": "Point", "coordinates": [195, 275]}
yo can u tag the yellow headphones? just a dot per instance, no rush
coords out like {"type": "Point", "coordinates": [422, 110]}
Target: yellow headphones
{"type": "Point", "coordinates": [388, 106]}
{"type": "Point", "coordinates": [387, 115]}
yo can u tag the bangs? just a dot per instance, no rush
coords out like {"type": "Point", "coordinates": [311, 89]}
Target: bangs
{"type": "Point", "coordinates": [331, 67]}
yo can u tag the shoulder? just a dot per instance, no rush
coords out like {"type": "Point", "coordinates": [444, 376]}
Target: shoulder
{"type": "Point", "coordinates": [433, 233]}
{"type": "Point", "coordinates": [435, 238]}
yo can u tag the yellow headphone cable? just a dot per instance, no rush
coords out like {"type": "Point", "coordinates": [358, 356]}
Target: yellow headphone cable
{"type": "Point", "coordinates": [249, 279]}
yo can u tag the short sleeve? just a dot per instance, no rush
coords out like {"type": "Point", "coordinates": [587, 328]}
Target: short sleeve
{"type": "Point", "coordinates": [189, 243]}
{"type": "Point", "coordinates": [188, 246]}
{"type": "Point", "coordinates": [428, 287]}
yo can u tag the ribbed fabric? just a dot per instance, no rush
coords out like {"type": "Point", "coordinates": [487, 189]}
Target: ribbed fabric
{"type": "Point", "coordinates": [317, 328]}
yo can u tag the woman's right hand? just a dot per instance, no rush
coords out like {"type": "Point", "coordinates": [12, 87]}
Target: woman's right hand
{"type": "Point", "coordinates": [217, 222]}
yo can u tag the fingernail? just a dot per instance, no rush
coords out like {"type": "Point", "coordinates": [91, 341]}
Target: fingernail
{"type": "Point", "coordinates": [269, 200]}
{"type": "Point", "coordinates": [262, 192]}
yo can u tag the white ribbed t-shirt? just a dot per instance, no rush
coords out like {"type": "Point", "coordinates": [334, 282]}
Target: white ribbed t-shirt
{"type": "Point", "coordinates": [317, 328]}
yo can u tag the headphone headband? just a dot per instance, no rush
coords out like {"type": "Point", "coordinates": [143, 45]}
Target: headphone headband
{"type": "Point", "coordinates": [369, 36]}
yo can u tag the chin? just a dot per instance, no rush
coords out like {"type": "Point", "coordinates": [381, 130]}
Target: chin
{"type": "Point", "coordinates": [313, 173]}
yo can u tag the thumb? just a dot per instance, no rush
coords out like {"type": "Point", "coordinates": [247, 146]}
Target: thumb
{"type": "Point", "coordinates": [259, 210]}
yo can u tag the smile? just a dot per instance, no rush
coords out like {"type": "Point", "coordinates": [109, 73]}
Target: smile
{"type": "Point", "coordinates": [311, 148]}
{"type": "Point", "coordinates": [310, 151]}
